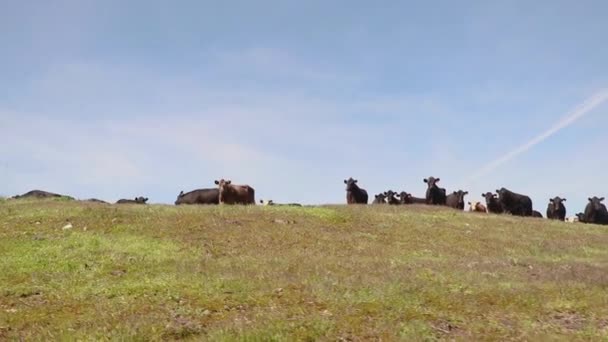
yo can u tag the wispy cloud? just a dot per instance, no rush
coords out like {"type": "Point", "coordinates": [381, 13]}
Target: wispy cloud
{"type": "Point", "coordinates": [570, 118]}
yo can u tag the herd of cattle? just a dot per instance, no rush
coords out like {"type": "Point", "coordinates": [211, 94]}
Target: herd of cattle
{"type": "Point", "coordinates": [503, 201]}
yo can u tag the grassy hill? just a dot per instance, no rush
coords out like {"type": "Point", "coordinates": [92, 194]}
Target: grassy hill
{"type": "Point", "coordinates": [279, 273]}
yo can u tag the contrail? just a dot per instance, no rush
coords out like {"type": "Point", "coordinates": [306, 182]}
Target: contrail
{"type": "Point", "coordinates": [570, 118]}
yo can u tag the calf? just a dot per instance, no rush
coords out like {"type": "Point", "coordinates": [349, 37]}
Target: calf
{"type": "Point", "coordinates": [137, 200]}
{"type": "Point", "coordinates": [199, 196]}
{"type": "Point", "coordinates": [492, 203]}
{"type": "Point", "coordinates": [595, 212]}
{"type": "Point", "coordinates": [572, 219]}
{"type": "Point", "coordinates": [355, 194]}
{"type": "Point", "coordinates": [434, 194]}
{"type": "Point", "coordinates": [379, 199]}
{"type": "Point", "coordinates": [390, 197]}
{"type": "Point", "coordinates": [407, 198]}
{"type": "Point", "coordinates": [556, 209]}
{"type": "Point", "coordinates": [537, 214]}
{"type": "Point", "coordinates": [580, 217]}
{"type": "Point", "coordinates": [514, 203]}
{"type": "Point", "coordinates": [456, 199]}
{"type": "Point", "coordinates": [235, 194]}
{"type": "Point", "coordinates": [477, 207]}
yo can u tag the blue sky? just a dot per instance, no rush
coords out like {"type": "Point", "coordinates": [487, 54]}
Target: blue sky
{"type": "Point", "coordinates": [115, 99]}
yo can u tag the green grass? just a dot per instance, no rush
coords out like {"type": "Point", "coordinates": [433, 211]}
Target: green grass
{"type": "Point", "coordinates": [288, 273]}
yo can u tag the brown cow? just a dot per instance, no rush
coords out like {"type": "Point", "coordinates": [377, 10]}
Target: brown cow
{"type": "Point", "coordinates": [235, 194]}
{"type": "Point", "coordinates": [477, 207]}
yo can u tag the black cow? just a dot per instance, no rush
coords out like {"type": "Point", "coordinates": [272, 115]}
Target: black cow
{"type": "Point", "coordinates": [556, 209]}
{"type": "Point", "coordinates": [199, 196]}
{"type": "Point", "coordinates": [137, 200]}
{"type": "Point", "coordinates": [581, 217]}
{"type": "Point", "coordinates": [456, 199]}
{"type": "Point", "coordinates": [434, 194]}
{"type": "Point", "coordinates": [596, 212]}
{"type": "Point", "coordinates": [355, 194]}
{"type": "Point", "coordinates": [537, 214]}
{"type": "Point", "coordinates": [41, 194]}
{"type": "Point", "coordinates": [514, 203]}
{"type": "Point", "coordinates": [407, 198]}
{"type": "Point", "coordinates": [379, 199]}
{"type": "Point", "coordinates": [391, 197]}
{"type": "Point", "coordinates": [492, 203]}
{"type": "Point", "coordinates": [95, 200]}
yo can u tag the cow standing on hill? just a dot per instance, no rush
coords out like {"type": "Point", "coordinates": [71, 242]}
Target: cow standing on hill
{"type": "Point", "coordinates": [514, 203]}
{"type": "Point", "coordinates": [492, 203]}
{"type": "Point", "coordinates": [355, 194]}
{"type": "Point", "coordinates": [595, 211]}
{"type": "Point", "coordinates": [434, 194]}
{"type": "Point", "coordinates": [199, 196]}
{"type": "Point", "coordinates": [556, 209]}
{"type": "Point", "coordinates": [234, 194]}
{"type": "Point", "coordinates": [456, 199]}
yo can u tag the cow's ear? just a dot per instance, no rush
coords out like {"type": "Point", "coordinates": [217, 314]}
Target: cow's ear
{"type": "Point", "coordinates": [466, 193]}
{"type": "Point", "coordinates": [345, 181]}
{"type": "Point", "coordinates": [589, 198]}
{"type": "Point", "coordinates": [551, 200]}
{"type": "Point", "coordinates": [437, 180]}
{"type": "Point", "coordinates": [483, 195]}
{"type": "Point", "coordinates": [228, 182]}
{"type": "Point", "coordinates": [601, 199]}
{"type": "Point", "coordinates": [355, 181]}
{"type": "Point", "coordinates": [497, 191]}
{"type": "Point", "coordinates": [217, 182]}
{"type": "Point", "coordinates": [426, 180]}
{"type": "Point", "coordinates": [564, 200]}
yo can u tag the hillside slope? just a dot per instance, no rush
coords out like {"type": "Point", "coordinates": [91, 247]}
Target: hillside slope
{"type": "Point", "coordinates": [279, 273]}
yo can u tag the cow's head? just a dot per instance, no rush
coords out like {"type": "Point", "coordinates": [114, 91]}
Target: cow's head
{"type": "Point", "coordinates": [431, 181]}
{"type": "Point", "coordinates": [380, 197]}
{"type": "Point", "coordinates": [222, 183]}
{"type": "Point", "coordinates": [351, 184]}
{"type": "Point", "coordinates": [141, 200]}
{"type": "Point", "coordinates": [490, 197]}
{"type": "Point", "coordinates": [581, 217]}
{"type": "Point", "coordinates": [556, 202]}
{"type": "Point", "coordinates": [596, 203]}
{"type": "Point", "coordinates": [473, 205]}
{"type": "Point", "coordinates": [391, 195]}
{"type": "Point", "coordinates": [460, 195]}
